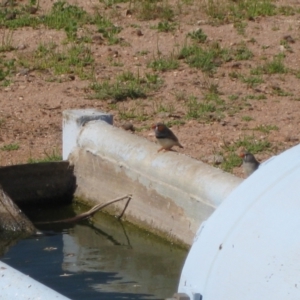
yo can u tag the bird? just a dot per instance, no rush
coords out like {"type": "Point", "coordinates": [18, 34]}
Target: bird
{"type": "Point", "coordinates": [250, 164]}
{"type": "Point", "coordinates": [165, 137]}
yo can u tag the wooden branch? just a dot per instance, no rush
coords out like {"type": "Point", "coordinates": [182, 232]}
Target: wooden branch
{"type": "Point", "coordinates": [89, 213]}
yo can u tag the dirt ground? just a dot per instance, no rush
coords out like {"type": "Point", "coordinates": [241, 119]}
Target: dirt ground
{"type": "Point", "coordinates": [31, 106]}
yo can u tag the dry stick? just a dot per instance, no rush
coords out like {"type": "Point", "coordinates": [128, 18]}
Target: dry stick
{"type": "Point", "coordinates": [122, 213]}
{"type": "Point", "coordinates": [89, 213]}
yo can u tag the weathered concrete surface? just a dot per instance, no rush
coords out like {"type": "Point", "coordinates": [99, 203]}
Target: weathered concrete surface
{"type": "Point", "coordinates": [16, 285]}
{"type": "Point", "coordinates": [74, 120]}
{"type": "Point", "coordinates": [172, 193]}
{"type": "Point", "coordinates": [42, 183]}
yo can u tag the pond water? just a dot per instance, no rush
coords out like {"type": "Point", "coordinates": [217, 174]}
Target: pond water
{"type": "Point", "coordinates": [99, 259]}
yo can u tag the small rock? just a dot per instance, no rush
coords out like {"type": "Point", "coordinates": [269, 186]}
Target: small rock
{"type": "Point", "coordinates": [163, 114]}
{"type": "Point", "coordinates": [139, 32]}
{"type": "Point", "coordinates": [21, 47]}
{"type": "Point", "coordinates": [128, 126]}
{"type": "Point", "coordinates": [24, 72]}
{"type": "Point", "coordinates": [128, 13]}
{"type": "Point", "coordinates": [214, 159]}
{"type": "Point", "coordinates": [10, 16]}
{"type": "Point", "coordinates": [98, 39]}
{"type": "Point", "coordinates": [289, 39]}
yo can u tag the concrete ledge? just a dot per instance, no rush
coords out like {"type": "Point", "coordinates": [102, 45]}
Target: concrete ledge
{"type": "Point", "coordinates": [172, 193]}
{"type": "Point", "coordinates": [16, 285]}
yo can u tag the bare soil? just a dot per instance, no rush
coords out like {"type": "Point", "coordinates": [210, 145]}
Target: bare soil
{"type": "Point", "coordinates": [31, 106]}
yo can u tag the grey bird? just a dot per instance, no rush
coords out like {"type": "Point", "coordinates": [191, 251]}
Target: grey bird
{"type": "Point", "coordinates": [250, 164]}
{"type": "Point", "coordinates": [165, 137]}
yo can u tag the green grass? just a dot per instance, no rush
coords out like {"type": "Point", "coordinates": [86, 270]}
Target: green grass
{"type": "Point", "coordinates": [275, 66]}
{"type": "Point", "coordinates": [276, 90]}
{"type": "Point", "coordinates": [152, 9]}
{"type": "Point", "coordinates": [247, 118]}
{"type": "Point", "coordinates": [7, 67]}
{"type": "Point", "coordinates": [49, 157]}
{"type": "Point", "coordinates": [231, 160]}
{"type": "Point", "coordinates": [199, 110]}
{"type": "Point", "coordinates": [74, 59]}
{"type": "Point", "coordinates": [136, 113]}
{"type": "Point", "coordinates": [165, 26]}
{"type": "Point", "coordinates": [242, 52]}
{"type": "Point", "coordinates": [62, 16]}
{"type": "Point", "coordinates": [266, 128]}
{"type": "Point", "coordinates": [10, 147]}
{"type": "Point", "coordinates": [232, 11]}
{"type": "Point", "coordinates": [164, 64]}
{"type": "Point", "coordinates": [251, 81]}
{"type": "Point", "coordinates": [256, 97]}
{"type": "Point", "coordinates": [126, 85]}
{"type": "Point", "coordinates": [198, 36]}
{"type": "Point", "coordinates": [6, 43]}
{"type": "Point", "coordinates": [108, 30]}
{"type": "Point", "coordinates": [207, 59]}
{"type": "Point", "coordinates": [250, 143]}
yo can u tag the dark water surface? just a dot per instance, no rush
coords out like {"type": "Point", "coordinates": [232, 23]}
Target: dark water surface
{"type": "Point", "coordinates": [103, 259]}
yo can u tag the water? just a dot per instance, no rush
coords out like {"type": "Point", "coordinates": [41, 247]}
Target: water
{"type": "Point", "coordinates": [103, 259]}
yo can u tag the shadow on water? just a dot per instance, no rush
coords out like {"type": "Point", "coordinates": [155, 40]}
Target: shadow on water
{"type": "Point", "coordinates": [99, 259]}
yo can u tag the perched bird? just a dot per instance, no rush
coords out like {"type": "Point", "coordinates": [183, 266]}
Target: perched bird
{"type": "Point", "coordinates": [165, 137]}
{"type": "Point", "coordinates": [250, 164]}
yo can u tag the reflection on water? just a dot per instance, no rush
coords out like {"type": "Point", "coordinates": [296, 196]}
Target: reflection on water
{"type": "Point", "coordinates": [106, 259]}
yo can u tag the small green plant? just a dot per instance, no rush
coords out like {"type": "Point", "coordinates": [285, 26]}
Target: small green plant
{"type": "Point", "coordinates": [164, 64]}
{"type": "Point", "coordinates": [74, 59]}
{"type": "Point", "coordinates": [247, 118]}
{"type": "Point", "coordinates": [199, 109]}
{"type": "Point", "coordinates": [224, 11]}
{"type": "Point", "coordinates": [6, 68]}
{"type": "Point", "coordinates": [165, 26]}
{"type": "Point", "coordinates": [67, 17]}
{"type": "Point", "coordinates": [280, 92]}
{"type": "Point", "coordinates": [49, 157]}
{"type": "Point", "coordinates": [276, 66]}
{"type": "Point", "coordinates": [240, 26]}
{"type": "Point", "coordinates": [266, 128]}
{"type": "Point", "coordinates": [151, 10]}
{"type": "Point", "coordinates": [231, 160]}
{"type": "Point", "coordinates": [233, 97]}
{"type": "Point", "coordinates": [198, 36]}
{"type": "Point", "coordinates": [126, 85]}
{"type": "Point", "coordinates": [251, 81]}
{"type": "Point", "coordinates": [171, 123]}
{"type": "Point", "coordinates": [205, 59]}
{"type": "Point", "coordinates": [108, 29]}
{"type": "Point", "coordinates": [6, 41]}
{"type": "Point", "coordinates": [132, 113]}
{"type": "Point", "coordinates": [250, 143]}
{"type": "Point", "coordinates": [118, 91]}
{"type": "Point", "coordinates": [10, 147]}
{"type": "Point", "coordinates": [242, 52]}
{"type": "Point", "coordinates": [256, 97]}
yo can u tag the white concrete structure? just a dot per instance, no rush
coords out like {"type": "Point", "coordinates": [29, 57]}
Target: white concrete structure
{"type": "Point", "coordinates": [249, 248]}
{"type": "Point", "coordinates": [73, 122]}
{"type": "Point", "coordinates": [16, 285]}
{"type": "Point", "coordinates": [172, 193]}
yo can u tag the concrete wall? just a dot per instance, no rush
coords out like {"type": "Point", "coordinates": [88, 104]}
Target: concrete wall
{"type": "Point", "coordinates": [172, 193]}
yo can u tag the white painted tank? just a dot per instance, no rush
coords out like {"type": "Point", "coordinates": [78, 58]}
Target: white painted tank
{"type": "Point", "coordinates": [249, 248]}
